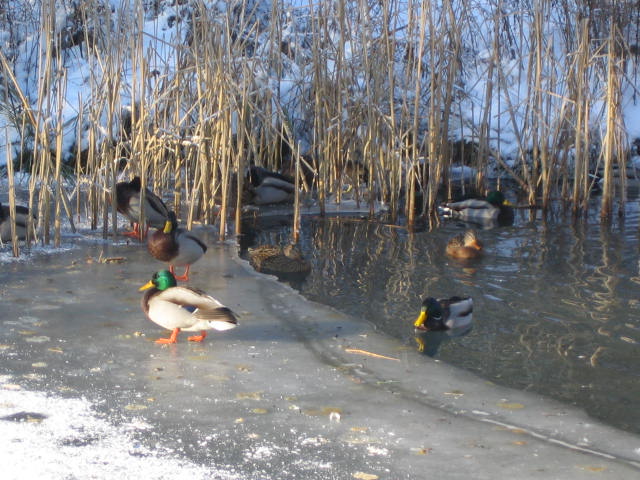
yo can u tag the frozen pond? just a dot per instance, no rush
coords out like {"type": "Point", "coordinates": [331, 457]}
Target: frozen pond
{"type": "Point", "coordinates": [556, 306]}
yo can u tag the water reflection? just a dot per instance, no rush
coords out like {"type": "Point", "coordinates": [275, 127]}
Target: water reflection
{"type": "Point", "coordinates": [556, 309]}
{"type": "Point", "coordinates": [429, 342]}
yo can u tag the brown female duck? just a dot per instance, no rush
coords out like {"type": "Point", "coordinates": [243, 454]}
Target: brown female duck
{"type": "Point", "coordinates": [465, 246]}
{"type": "Point", "coordinates": [275, 259]}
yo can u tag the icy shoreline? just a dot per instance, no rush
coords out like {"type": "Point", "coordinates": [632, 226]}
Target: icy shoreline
{"type": "Point", "coordinates": [297, 389]}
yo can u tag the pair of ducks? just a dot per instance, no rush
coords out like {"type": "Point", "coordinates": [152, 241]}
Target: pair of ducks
{"type": "Point", "coordinates": [173, 307]}
{"type": "Point", "coordinates": [169, 243]}
{"type": "Point", "coordinates": [455, 312]}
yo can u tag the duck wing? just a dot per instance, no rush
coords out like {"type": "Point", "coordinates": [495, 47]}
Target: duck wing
{"type": "Point", "coordinates": [202, 306]}
{"type": "Point", "coordinates": [183, 236]}
{"type": "Point", "coordinates": [156, 211]}
{"type": "Point", "coordinates": [258, 175]}
{"type": "Point", "coordinates": [278, 183]}
{"type": "Point", "coordinates": [471, 203]}
{"type": "Point", "coordinates": [458, 311]}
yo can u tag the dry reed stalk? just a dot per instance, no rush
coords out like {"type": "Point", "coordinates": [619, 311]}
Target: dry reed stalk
{"type": "Point", "coordinates": [390, 192]}
{"type": "Point", "coordinates": [436, 153]}
{"type": "Point", "coordinates": [27, 119]}
{"type": "Point", "coordinates": [318, 119]}
{"type": "Point", "coordinates": [484, 132]}
{"type": "Point", "coordinates": [78, 154]}
{"type": "Point", "coordinates": [93, 196]}
{"type": "Point", "coordinates": [58, 180]}
{"type": "Point", "coordinates": [225, 165]}
{"type": "Point", "coordinates": [357, 107]}
{"type": "Point", "coordinates": [12, 198]}
{"type": "Point", "coordinates": [450, 52]}
{"type": "Point", "coordinates": [612, 144]}
{"type": "Point", "coordinates": [140, 141]}
{"type": "Point", "coordinates": [239, 153]}
{"type": "Point", "coordinates": [414, 151]}
{"type": "Point", "coordinates": [296, 204]}
{"type": "Point", "coordinates": [579, 93]}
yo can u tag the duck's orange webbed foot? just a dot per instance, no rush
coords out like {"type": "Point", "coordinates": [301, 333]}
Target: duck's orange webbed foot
{"type": "Point", "coordinates": [135, 233]}
{"type": "Point", "coordinates": [198, 338]}
{"type": "Point", "coordinates": [180, 278]}
{"type": "Point", "coordinates": [172, 339]}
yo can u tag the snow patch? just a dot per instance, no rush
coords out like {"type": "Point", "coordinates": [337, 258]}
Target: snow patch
{"type": "Point", "coordinates": [52, 437]}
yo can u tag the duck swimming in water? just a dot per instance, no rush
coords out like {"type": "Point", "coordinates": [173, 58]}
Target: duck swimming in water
{"type": "Point", "coordinates": [465, 246]}
{"type": "Point", "coordinates": [276, 259]}
{"type": "Point", "coordinates": [176, 246]}
{"type": "Point", "coordinates": [444, 314]}
{"type": "Point", "coordinates": [128, 204]}
{"type": "Point", "coordinates": [495, 208]}
{"type": "Point", "coordinates": [183, 308]}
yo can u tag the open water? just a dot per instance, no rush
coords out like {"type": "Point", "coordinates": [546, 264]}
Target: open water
{"type": "Point", "coordinates": [556, 302]}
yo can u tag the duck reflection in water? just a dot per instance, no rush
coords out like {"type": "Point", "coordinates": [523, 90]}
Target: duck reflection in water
{"type": "Point", "coordinates": [429, 342]}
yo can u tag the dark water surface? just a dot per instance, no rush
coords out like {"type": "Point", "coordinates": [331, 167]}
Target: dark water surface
{"type": "Point", "coordinates": [556, 304]}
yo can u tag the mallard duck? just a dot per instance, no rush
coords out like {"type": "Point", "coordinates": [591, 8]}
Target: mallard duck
{"type": "Point", "coordinates": [22, 220]}
{"type": "Point", "coordinates": [494, 209]}
{"type": "Point", "coordinates": [176, 246]}
{"type": "Point", "coordinates": [465, 246]}
{"type": "Point", "coordinates": [183, 308]}
{"type": "Point", "coordinates": [265, 186]}
{"type": "Point", "coordinates": [276, 259]}
{"type": "Point", "coordinates": [128, 204]}
{"type": "Point", "coordinates": [444, 314]}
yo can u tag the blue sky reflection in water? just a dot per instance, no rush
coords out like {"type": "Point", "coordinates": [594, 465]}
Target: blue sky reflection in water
{"type": "Point", "coordinates": [556, 305]}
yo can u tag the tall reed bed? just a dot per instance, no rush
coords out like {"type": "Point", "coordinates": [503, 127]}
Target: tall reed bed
{"type": "Point", "coordinates": [387, 97]}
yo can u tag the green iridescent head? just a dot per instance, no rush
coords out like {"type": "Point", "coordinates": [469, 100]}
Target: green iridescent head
{"type": "Point", "coordinates": [495, 198]}
{"type": "Point", "coordinates": [161, 280]}
{"type": "Point", "coordinates": [430, 317]}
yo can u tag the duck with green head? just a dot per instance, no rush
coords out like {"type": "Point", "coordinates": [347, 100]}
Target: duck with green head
{"type": "Point", "coordinates": [444, 314]}
{"type": "Point", "coordinates": [176, 246]}
{"type": "Point", "coordinates": [495, 208]}
{"type": "Point", "coordinates": [183, 308]}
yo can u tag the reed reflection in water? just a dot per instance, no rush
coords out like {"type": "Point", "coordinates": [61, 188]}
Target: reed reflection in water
{"type": "Point", "coordinates": [556, 307]}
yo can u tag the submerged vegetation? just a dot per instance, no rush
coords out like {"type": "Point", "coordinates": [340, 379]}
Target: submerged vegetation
{"type": "Point", "coordinates": [393, 97]}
